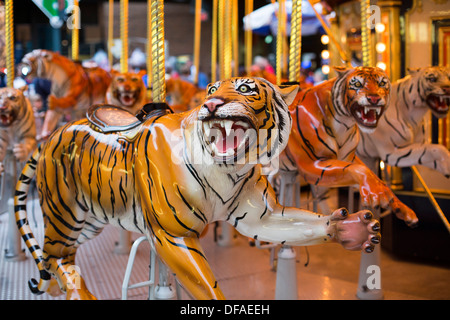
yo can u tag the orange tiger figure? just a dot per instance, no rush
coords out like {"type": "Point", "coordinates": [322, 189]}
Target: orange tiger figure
{"type": "Point", "coordinates": [127, 90]}
{"type": "Point", "coordinates": [74, 87]}
{"type": "Point", "coordinates": [185, 95]}
{"type": "Point", "coordinates": [325, 133]}
{"type": "Point", "coordinates": [168, 177]}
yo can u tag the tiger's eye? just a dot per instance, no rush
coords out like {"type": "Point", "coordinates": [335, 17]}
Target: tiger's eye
{"type": "Point", "coordinates": [243, 88]}
{"type": "Point", "coordinates": [212, 90]}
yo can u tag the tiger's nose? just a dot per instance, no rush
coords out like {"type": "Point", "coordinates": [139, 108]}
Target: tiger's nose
{"type": "Point", "coordinates": [374, 99]}
{"type": "Point", "coordinates": [213, 104]}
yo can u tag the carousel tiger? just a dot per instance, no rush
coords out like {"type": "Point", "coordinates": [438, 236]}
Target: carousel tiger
{"type": "Point", "coordinates": [17, 126]}
{"type": "Point", "coordinates": [168, 177]}
{"type": "Point", "coordinates": [327, 121]}
{"type": "Point", "coordinates": [399, 139]}
{"type": "Point", "coordinates": [74, 88]}
{"type": "Point", "coordinates": [127, 90]}
{"type": "Point", "coordinates": [183, 95]}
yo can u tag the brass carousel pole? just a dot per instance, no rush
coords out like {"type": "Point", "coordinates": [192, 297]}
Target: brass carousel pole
{"type": "Point", "coordinates": [158, 51]}
{"type": "Point", "coordinates": [295, 50]}
{"type": "Point", "coordinates": [227, 54]}
{"type": "Point", "coordinates": [214, 42]}
{"type": "Point", "coordinates": [248, 39]}
{"type": "Point", "coordinates": [365, 34]}
{"type": "Point", "coordinates": [197, 35]}
{"type": "Point", "coordinates": [124, 35]}
{"type": "Point", "coordinates": [75, 32]}
{"type": "Point", "coordinates": [13, 251]}
{"type": "Point", "coordinates": [9, 45]}
{"type": "Point", "coordinates": [280, 38]}
{"type": "Point", "coordinates": [110, 32]}
{"type": "Point", "coordinates": [149, 50]}
{"type": "Point", "coordinates": [235, 37]}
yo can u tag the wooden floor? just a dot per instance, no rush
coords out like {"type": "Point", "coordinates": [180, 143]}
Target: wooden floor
{"type": "Point", "coordinates": [242, 271]}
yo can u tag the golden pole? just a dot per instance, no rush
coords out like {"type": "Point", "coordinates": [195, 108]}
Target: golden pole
{"type": "Point", "coordinates": [75, 32]}
{"type": "Point", "coordinates": [431, 197]}
{"type": "Point", "coordinates": [331, 35]}
{"type": "Point", "coordinates": [235, 37]}
{"type": "Point", "coordinates": [365, 34]}
{"type": "Point", "coordinates": [214, 43]}
{"type": "Point", "coordinates": [197, 34]}
{"type": "Point", "coordinates": [149, 45]}
{"type": "Point", "coordinates": [9, 38]}
{"type": "Point", "coordinates": [221, 33]}
{"type": "Point", "coordinates": [158, 52]}
{"type": "Point", "coordinates": [280, 39]}
{"type": "Point", "coordinates": [295, 50]}
{"type": "Point", "coordinates": [248, 38]}
{"type": "Point", "coordinates": [110, 32]}
{"type": "Point", "coordinates": [124, 35]}
{"type": "Point", "coordinates": [226, 41]}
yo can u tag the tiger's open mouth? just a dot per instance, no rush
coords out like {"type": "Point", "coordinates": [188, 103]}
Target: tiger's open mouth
{"type": "Point", "coordinates": [227, 139]}
{"type": "Point", "coordinates": [367, 115]}
{"type": "Point", "coordinates": [439, 104]}
{"type": "Point", "coordinates": [6, 119]}
{"type": "Point", "coordinates": [127, 98]}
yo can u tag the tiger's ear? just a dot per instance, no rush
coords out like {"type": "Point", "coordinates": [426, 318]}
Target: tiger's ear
{"type": "Point", "coordinates": [413, 71]}
{"type": "Point", "coordinates": [288, 93]}
{"type": "Point", "coordinates": [23, 88]}
{"type": "Point", "coordinates": [340, 70]}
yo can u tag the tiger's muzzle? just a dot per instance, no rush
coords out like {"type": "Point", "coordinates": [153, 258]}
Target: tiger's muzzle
{"type": "Point", "coordinates": [228, 130]}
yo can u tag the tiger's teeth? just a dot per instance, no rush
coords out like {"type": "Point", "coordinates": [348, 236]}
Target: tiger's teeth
{"type": "Point", "coordinates": [227, 125]}
{"type": "Point", "coordinates": [206, 128]}
{"type": "Point", "coordinates": [366, 110]}
{"type": "Point", "coordinates": [378, 110]}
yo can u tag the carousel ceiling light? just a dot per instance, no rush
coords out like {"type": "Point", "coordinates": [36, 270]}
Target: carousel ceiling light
{"type": "Point", "coordinates": [380, 47]}
{"type": "Point", "coordinates": [380, 27]}
{"type": "Point", "coordinates": [326, 69]}
{"type": "Point", "coordinates": [381, 65]}
{"type": "Point", "coordinates": [325, 54]}
{"type": "Point", "coordinates": [325, 39]}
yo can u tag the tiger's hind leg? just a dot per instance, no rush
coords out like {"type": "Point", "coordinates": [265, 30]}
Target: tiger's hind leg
{"type": "Point", "coordinates": [67, 272]}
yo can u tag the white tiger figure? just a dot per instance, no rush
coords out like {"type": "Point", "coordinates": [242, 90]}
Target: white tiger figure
{"type": "Point", "coordinates": [399, 138]}
{"type": "Point", "coordinates": [17, 126]}
{"type": "Point", "coordinates": [17, 138]}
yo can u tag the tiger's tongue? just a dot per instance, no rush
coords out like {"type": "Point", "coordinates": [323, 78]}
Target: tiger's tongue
{"type": "Point", "coordinates": [232, 141]}
{"type": "Point", "coordinates": [370, 115]}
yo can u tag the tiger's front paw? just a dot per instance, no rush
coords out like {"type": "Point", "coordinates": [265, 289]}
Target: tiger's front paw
{"type": "Point", "coordinates": [20, 151]}
{"type": "Point", "coordinates": [375, 193]}
{"type": "Point", "coordinates": [442, 163]}
{"type": "Point", "coordinates": [403, 212]}
{"type": "Point", "coordinates": [357, 231]}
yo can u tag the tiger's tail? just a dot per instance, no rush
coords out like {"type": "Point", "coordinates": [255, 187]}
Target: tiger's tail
{"type": "Point", "coordinates": [20, 208]}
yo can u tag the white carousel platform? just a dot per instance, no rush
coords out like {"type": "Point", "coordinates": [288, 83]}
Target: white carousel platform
{"type": "Point", "coordinates": [243, 272]}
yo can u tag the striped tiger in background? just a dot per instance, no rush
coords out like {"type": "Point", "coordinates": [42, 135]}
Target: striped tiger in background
{"type": "Point", "coordinates": [327, 121]}
{"type": "Point", "coordinates": [74, 87]}
{"type": "Point", "coordinates": [169, 177]}
{"type": "Point", "coordinates": [399, 139]}
{"type": "Point", "coordinates": [17, 125]}
{"type": "Point", "coordinates": [183, 95]}
{"type": "Point", "coordinates": [127, 90]}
